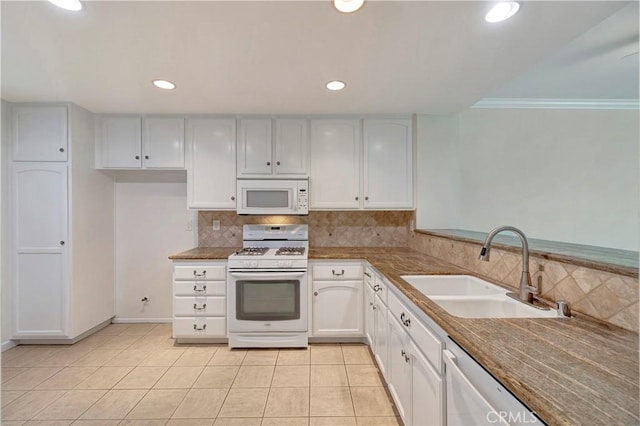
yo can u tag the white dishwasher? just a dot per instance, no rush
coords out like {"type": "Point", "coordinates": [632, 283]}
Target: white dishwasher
{"type": "Point", "coordinates": [474, 397]}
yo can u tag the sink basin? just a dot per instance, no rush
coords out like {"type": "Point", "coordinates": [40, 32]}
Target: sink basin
{"type": "Point", "coordinates": [491, 307]}
{"type": "Point", "coordinates": [470, 297]}
{"type": "Point", "coordinates": [452, 285]}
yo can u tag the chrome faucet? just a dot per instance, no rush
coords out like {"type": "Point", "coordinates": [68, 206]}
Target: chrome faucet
{"type": "Point", "coordinates": [527, 291]}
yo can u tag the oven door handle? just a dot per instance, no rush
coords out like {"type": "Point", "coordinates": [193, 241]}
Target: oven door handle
{"type": "Point", "coordinates": [267, 274]}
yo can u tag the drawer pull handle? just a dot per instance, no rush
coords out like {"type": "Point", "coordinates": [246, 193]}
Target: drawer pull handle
{"type": "Point", "coordinates": [196, 274]}
{"type": "Point", "coordinates": [377, 288]}
{"type": "Point", "coordinates": [367, 274]}
{"type": "Point", "coordinates": [337, 274]}
{"type": "Point", "coordinates": [195, 327]}
{"type": "Point", "coordinates": [404, 321]}
{"type": "Point", "coordinates": [200, 290]}
{"type": "Point", "coordinates": [403, 353]}
{"type": "Point", "coordinates": [202, 308]}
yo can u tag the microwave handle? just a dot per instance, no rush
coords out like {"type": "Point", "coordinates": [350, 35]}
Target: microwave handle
{"type": "Point", "coordinates": [266, 274]}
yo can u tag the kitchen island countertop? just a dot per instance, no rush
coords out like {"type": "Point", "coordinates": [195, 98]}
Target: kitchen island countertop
{"type": "Point", "coordinates": [568, 370]}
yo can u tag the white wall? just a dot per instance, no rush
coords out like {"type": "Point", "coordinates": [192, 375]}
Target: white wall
{"type": "Point", "coordinates": [92, 219]}
{"type": "Point", "coordinates": [151, 224]}
{"type": "Point", "coordinates": [4, 231]}
{"type": "Point", "coordinates": [560, 175]}
{"type": "Point", "coordinates": [438, 172]}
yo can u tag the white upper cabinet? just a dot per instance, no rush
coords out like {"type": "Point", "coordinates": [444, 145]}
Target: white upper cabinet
{"type": "Point", "coordinates": [211, 163]}
{"type": "Point", "coordinates": [265, 150]}
{"type": "Point", "coordinates": [39, 133]}
{"type": "Point", "coordinates": [388, 165]}
{"type": "Point", "coordinates": [120, 141]}
{"type": "Point", "coordinates": [335, 164]}
{"type": "Point", "coordinates": [291, 151]}
{"type": "Point", "coordinates": [163, 143]}
{"type": "Point", "coordinates": [255, 147]}
{"type": "Point", "coordinates": [132, 142]}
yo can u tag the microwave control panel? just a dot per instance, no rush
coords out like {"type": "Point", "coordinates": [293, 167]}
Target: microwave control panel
{"type": "Point", "coordinates": [303, 199]}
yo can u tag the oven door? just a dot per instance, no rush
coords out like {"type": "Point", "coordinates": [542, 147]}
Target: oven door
{"type": "Point", "coordinates": [267, 301]}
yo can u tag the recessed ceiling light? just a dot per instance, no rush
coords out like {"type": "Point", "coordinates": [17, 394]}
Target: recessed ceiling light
{"type": "Point", "coordinates": [335, 85]}
{"type": "Point", "coordinates": [72, 5]}
{"type": "Point", "coordinates": [348, 6]}
{"type": "Point", "coordinates": [164, 84]}
{"type": "Point", "coordinates": [502, 11]}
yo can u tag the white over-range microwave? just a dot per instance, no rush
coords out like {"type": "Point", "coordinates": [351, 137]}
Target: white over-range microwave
{"type": "Point", "coordinates": [273, 196]}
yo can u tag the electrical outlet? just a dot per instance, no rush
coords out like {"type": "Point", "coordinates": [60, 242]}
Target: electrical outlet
{"type": "Point", "coordinates": [190, 225]}
{"type": "Point", "coordinates": [216, 225]}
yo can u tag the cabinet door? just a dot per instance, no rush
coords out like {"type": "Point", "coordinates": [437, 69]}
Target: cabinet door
{"type": "Point", "coordinates": [254, 147]}
{"type": "Point", "coordinates": [120, 139]}
{"type": "Point", "coordinates": [427, 390]}
{"type": "Point", "coordinates": [39, 249]}
{"type": "Point", "coordinates": [163, 143]}
{"type": "Point", "coordinates": [399, 373]}
{"type": "Point", "coordinates": [388, 151]}
{"type": "Point", "coordinates": [291, 148]}
{"type": "Point", "coordinates": [211, 163]}
{"type": "Point", "coordinates": [337, 308]}
{"type": "Point", "coordinates": [381, 344]}
{"type": "Point", "coordinates": [335, 164]}
{"type": "Point", "coordinates": [39, 133]}
{"type": "Point", "coordinates": [369, 318]}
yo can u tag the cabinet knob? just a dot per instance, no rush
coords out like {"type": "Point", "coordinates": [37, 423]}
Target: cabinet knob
{"type": "Point", "coordinates": [315, 293]}
{"type": "Point", "coordinates": [357, 198]}
{"type": "Point", "coordinates": [137, 157]}
{"type": "Point", "coordinates": [277, 163]}
{"type": "Point", "coordinates": [366, 198]}
{"type": "Point", "coordinates": [146, 157]}
{"type": "Point", "coordinates": [61, 150]}
{"type": "Point", "coordinates": [233, 198]}
{"type": "Point", "coordinates": [61, 243]}
{"type": "Point", "coordinates": [268, 163]}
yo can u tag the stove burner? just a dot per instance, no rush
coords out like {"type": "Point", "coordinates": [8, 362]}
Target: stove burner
{"type": "Point", "coordinates": [290, 251]}
{"type": "Point", "coordinates": [252, 251]}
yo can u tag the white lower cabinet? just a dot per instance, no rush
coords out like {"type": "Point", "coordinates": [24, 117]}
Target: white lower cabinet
{"type": "Point", "coordinates": [199, 303]}
{"type": "Point", "coordinates": [337, 308]}
{"type": "Point", "coordinates": [337, 300]}
{"type": "Point", "coordinates": [369, 316]}
{"type": "Point", "coordinates": [427, 390]}
{"type": "Point", "coordinates": [399, 372]}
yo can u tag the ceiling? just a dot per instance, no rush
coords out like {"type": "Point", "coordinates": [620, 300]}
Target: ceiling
{"type": "Point", "coordinates": [275, 57]}
{"type": "Point", "coordinates": [602, 63]}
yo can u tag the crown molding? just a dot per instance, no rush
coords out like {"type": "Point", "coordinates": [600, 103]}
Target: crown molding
{"type": "Point", "coordinates": [546, 103]}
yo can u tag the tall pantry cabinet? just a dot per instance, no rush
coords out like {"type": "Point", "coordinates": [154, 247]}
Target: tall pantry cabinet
{"type": "Point", "coordinates": [59, 225]}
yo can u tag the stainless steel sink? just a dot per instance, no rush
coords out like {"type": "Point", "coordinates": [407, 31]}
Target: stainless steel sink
{"type": "Point", "coordinates": [470, 297]}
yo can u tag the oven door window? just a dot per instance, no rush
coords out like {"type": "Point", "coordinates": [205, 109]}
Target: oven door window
{"type": "Point", "coordinates": [277, 300]}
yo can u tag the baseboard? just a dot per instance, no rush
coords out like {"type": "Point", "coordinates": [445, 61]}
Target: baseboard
{"type": "Point", "coordinates": [117, 320]}
{"type": "Point", "coordinates": [8, 345]}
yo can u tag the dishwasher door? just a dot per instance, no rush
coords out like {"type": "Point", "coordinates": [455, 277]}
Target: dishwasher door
{"type": "Point", "coordinates": [474, 397]}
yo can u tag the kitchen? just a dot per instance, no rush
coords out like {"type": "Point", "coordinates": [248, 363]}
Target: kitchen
{"type": "Point", "coordinates": [461, 170]}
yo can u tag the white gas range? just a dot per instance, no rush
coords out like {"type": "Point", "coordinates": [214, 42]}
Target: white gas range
{"type": "Point", "coordinates": [267, 287]}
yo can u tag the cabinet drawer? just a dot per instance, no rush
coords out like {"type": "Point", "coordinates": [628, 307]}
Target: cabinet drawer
{"type": "Point", "coordinates": [426, 340]}
{"type": "Point", "coordinates": [200, 306]}
{"type": "Point", "coordinates": [200, 273]}
{"type": "Point", "coordinates": [200, 288]}
{"type": "Point", "coordinates": [200, 327]}
{"type": "Point", "coordinates": [338, 272]}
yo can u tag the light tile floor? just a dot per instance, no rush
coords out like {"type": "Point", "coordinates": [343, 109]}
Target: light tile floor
{"type": "Point", "coordinates": [134, 374]}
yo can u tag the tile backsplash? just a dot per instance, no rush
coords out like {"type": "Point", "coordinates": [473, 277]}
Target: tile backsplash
{"type": "Point", "coordinates": [603, 295]}
{"type": "Point", "coordinates": [326, 228]}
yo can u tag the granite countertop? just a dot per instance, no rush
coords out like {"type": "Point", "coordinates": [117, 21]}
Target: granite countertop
{"type": "Point", "coordinates": [568, 370]}
{"type": "Point", "coordinates": [205, 253]}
